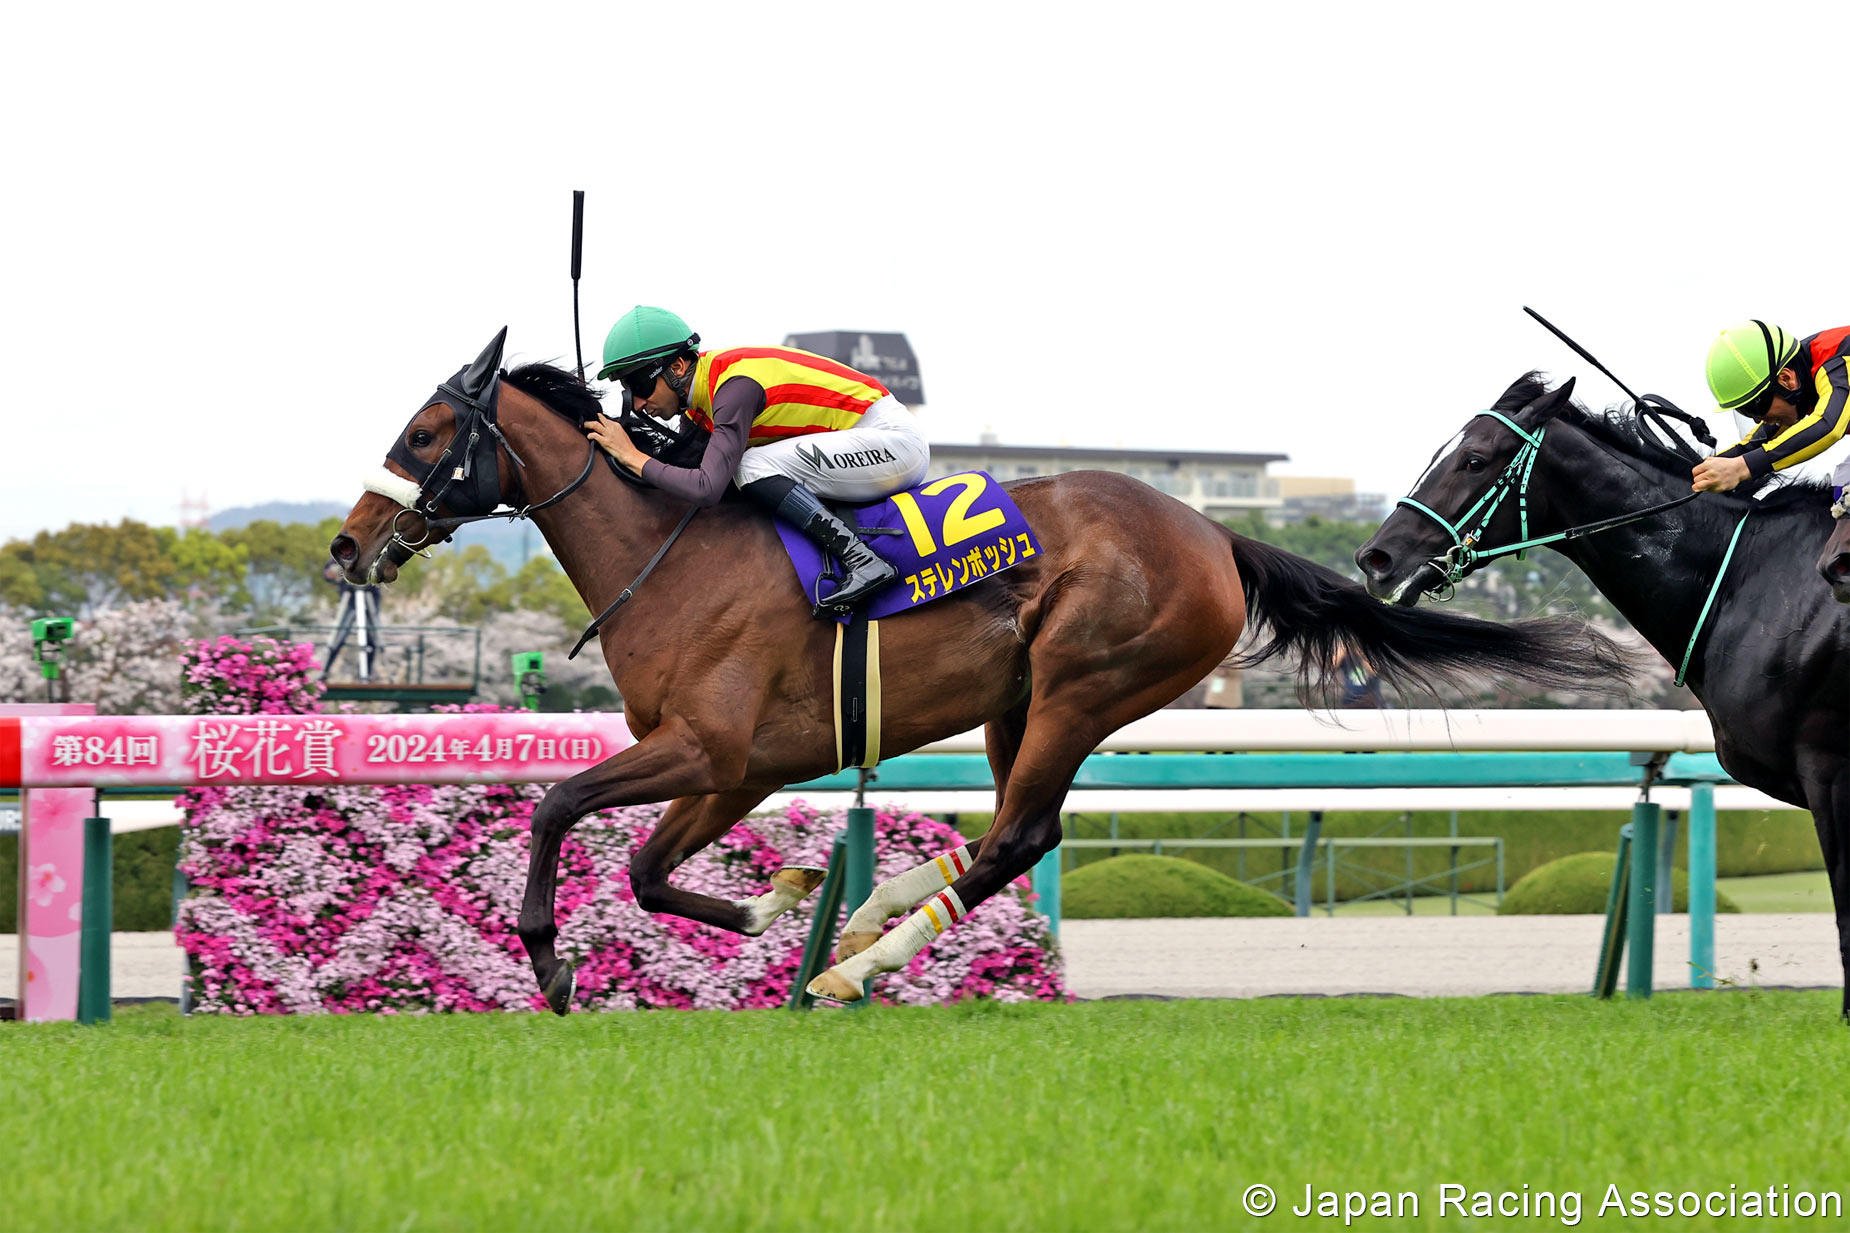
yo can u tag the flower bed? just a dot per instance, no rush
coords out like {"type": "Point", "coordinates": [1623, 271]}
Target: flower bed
{"type": "Point", "coordinates": [404, 898]}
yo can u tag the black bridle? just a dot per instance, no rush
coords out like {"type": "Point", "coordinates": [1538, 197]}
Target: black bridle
{"type": "Point", "coordinates": [464, 477]}
{"type": "Point", "coordinates": [472, 484]}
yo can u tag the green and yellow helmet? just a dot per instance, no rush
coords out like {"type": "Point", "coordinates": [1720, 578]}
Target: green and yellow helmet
{"type": "Point", "coordinates": [1744, 359]}
{"type": "Point", "coordinates": [643, 334]}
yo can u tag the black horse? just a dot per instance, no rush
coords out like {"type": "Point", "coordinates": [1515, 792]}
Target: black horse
{"type": "Point", "coordinates": [1771, 660]}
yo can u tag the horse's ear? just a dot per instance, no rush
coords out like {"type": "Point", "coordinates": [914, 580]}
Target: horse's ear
{"type": "Point", "coordinates": [1550, 404]}
{"type": "Point", "coordinates": [476, 378]}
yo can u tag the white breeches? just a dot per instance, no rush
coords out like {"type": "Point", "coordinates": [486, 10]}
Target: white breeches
{"type": "Point", "coordinates": [884, 453]}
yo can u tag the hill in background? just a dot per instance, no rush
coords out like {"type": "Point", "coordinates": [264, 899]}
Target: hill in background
{"type": "Point", "coordinates": [510, 543]}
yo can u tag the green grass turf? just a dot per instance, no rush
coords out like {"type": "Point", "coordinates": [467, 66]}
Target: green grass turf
{"type": "Point", "coordinates": [1109, 1115]}
{"type": "Point", "coordinates": [1780, 892]}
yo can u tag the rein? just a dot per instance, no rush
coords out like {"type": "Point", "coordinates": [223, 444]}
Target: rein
{"type": "Point", "coordinates": [624, 598]}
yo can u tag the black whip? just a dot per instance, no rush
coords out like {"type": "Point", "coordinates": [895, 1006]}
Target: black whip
{"type": "Point", "coordinates": [1582, 352]}
{"type": "Point", "coordinates": [1652, 406]}
{"type": "Point", "coordinates": [578, 251]}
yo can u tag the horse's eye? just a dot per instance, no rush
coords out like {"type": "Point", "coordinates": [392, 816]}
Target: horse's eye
{"type": "Point", "coordinates": [1474, 464]}
{"type": "Point", "coordinates": [420, 439]}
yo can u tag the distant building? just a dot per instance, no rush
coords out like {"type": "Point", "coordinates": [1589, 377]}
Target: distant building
{"type": "Point", "coordinates": [1219, 485]}
{"type": "Point", "coordinates": [1331, 498]}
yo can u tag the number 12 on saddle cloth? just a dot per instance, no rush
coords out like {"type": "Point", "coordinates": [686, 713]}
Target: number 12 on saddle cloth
{"type": "Point", "coordinates": [942, 536]}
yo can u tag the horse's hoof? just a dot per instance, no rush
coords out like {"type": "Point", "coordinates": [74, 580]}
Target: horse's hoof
{"type": "Point", "coordinates": [852, 944]}
{"type": "Point", "coordinates": [560, 986]}
{"type": "Point", "coordinates": [800, 879]}
{"type": "Point", "coordinates": [835, 987]}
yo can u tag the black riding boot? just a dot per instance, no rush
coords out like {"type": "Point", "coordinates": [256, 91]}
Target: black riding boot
{"type": "Point", "coordinates": [801, 508]}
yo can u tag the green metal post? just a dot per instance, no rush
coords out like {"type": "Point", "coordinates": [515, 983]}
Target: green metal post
{"type": "Point", "coordinates": [1641, 912]}
{"type": "Point", "coordinates": [1612, 941]}
{"type": "Point", "coordinates": [1307, 857]}
{"type": "Point", "coordinates": [1666, 862]}
{"type": "Point", "coordinates": [1047, 889]}
{"type": "Point", "coordinates": [858, 865]}
{"type": "Point", "coordinates": [1453, 831]}
{"type": "Point", "coordinates": [180, 887]}
{"type": "Point", "coordinates": [98, 920]}
{"type": "Point", "coordinates": [1702, 886]}
{"type": "Point", "coordinates": [822, 926]}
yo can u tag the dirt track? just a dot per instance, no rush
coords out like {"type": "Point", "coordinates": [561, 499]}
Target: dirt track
{"type": "Point", "coordinates": [1419, 956]}
{"type": "Point", "coordinates": [1423, 956]}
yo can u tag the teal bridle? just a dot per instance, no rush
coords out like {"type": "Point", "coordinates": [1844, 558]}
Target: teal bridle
{"type": "Point", "coordinates": [1465, 555]}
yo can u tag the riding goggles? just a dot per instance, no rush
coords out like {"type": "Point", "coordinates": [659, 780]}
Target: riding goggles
{"type": "Point", "coordinates": [641, 382]}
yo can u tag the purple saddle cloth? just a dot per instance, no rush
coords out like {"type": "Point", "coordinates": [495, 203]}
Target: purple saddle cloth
{"type": "Point", "coordinates": [950, 533]}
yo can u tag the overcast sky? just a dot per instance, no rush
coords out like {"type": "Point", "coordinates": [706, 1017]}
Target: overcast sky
{"type": "Point", "coordinates": [243, 243]}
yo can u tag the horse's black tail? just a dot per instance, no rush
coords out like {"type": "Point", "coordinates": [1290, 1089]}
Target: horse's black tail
{"type": "Point", "coordinates": [1298, 607]}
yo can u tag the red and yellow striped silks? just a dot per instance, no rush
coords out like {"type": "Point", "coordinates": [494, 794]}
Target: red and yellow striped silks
{"type": "Point", "coordinates": [803, 393]}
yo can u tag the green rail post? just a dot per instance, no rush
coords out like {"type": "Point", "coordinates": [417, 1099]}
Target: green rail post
{"type": "Point", "coordinates": [858, 866]}
{"type": "Point", "coordinates": [1667, 863]}
{"type": "Point", "coordinates": [1307, 858]}
{"type": "Point", "coordinates": [1641, 912]}
{"type": "Point", "coordinates": [98, 920]}
{"type": "Point", "coordinates": [1702, 886]}
{"type": "Point", "coordinates": [821, 927]}
{"type": "Point", "coordinates": [1612, 941]}
{"type": "Point", "coordinates": [180, 887]}
{"type": "Point", "coordinates": [1047, 889]}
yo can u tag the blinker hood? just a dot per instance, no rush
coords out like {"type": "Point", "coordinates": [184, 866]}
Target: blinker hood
{"type": "Point", "coordinates": [468, 482]}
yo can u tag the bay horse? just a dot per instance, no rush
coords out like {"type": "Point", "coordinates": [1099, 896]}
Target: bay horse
{"type": "Point", "coordinates": [1771, 661]}
{"type": "Point", "coordinates": [1133, 598]}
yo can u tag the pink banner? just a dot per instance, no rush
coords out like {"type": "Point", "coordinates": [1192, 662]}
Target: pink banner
{"type": "Point", "coordinates": [185, 750]}
{"type": "Point", "coordinates": [51, 884]}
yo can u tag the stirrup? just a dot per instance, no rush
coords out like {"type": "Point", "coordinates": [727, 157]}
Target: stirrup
{"type": "Point", "coordinates": [864, 589]}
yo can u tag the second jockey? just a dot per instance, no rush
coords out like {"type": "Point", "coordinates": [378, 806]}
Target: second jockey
{"type": "Point", "coordinates": [1796, 390]}
{"type": "Point", "coordinates": [787, 426]}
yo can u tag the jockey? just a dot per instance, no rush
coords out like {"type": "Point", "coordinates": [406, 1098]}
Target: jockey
{"type": "Point", "coordinates": [788, 427]}
{"type": "Point", "coordinates": [1797, 389]}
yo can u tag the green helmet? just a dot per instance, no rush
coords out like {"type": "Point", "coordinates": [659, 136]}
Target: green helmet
{"type": "Point", "coordinates": [1744, 359]}
{"type": "Point", "coordinates": [643, 334]}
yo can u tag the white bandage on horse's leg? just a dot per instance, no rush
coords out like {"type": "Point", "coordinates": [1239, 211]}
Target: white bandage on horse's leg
{"type": "Point", "coordinates": [789, 887]}
{"type": "Point", "coordinates": [912, 935]}
{"type": "Point", "coordinates": [895, 895]}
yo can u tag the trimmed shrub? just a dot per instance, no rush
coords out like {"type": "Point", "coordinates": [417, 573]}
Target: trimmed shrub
{"type": "Point", "coordinates": [1748, 842]}
{"type": "Point", "coordinates": [1136, 885]}
{"type": "Point", "coordinates": [141, 872]}
{"type": "Point", "coordinates": [1580, 884]}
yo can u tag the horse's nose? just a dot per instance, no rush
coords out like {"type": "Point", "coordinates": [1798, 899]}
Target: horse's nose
{"type": "Point", "coordinates": [1836, 571]}
{"type": "Point", "coordinates": [344, 549]}
{"type": "Point", "coordinates": [1377, 565]}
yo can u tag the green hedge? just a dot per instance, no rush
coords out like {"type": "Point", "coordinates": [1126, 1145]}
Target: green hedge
{"type": "Point", "coordinates": [1747, 843]}
{"type": "Point", "coordinates": [143, 871]}
{"type": "Point", "coordinates": [1582, 884]}
{"type": "Point", "coordinates": [1147, 886]}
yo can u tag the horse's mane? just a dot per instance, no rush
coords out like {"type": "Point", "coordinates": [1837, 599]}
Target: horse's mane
{"type": "Point", "coordinates": [566, 393]}
{"type": "Point", "coordinates": [559, 388]}
{"type": "Point", "coordinates": [1619, 429]}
